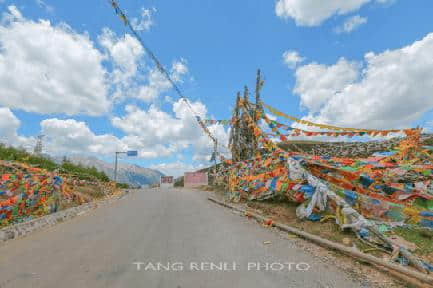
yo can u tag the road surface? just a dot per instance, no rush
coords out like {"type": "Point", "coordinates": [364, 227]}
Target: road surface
{"type": "Point", "coordinates": [162, 238]}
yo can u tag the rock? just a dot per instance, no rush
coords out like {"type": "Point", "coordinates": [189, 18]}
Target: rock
{"type": "Point", "coordinates": [399, 241]}
{"type": "Point", "coordinates": [6, 235]}
{"type": "Point", "coordinates": [2, 236]}
{"type": "Point", "coordinates": [347, 241]}
{"type": "Point", "coordinates": [426, 232]}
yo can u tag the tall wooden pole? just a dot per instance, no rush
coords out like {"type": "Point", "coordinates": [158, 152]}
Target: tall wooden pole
{"type": "Point", "coordinates": [244, 144]}
{"type": "Point", "coordinates": [246, 95]}
{"type": "Point", "coordinates": [236, 130]}
{"type": "Point", "coordinates": [246, 151]}
{"type": "Point", "coordinates": [258, 88]}
{"type": "Point", "coordinates": [215, 151]}
{"type": "Point", "coordinates": [258, 108]}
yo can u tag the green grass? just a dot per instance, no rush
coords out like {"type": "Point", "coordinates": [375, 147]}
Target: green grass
{"type": "Point", "coordinates": [428, 142]}
{"type": "Point", "coordinates": [285, 212]}
{"type": "Point", "coordinates": [178, 182]}
{"type": "Point", "coordinates": [18, 155]}
{"type": "Point", "coordinates": [123, 185]}
{"type": "Point", "coordinates": [83, 172]}
{"type": "Point", "coordinates": [423, 241]}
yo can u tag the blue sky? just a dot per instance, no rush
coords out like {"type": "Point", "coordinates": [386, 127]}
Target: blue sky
{"type": "Point", "coordinates": [222, 43]}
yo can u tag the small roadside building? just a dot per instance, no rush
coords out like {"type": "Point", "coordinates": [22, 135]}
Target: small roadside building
{"type": "Point", "coordinates": [194, 179]}
{"type": "Point", "coordinates": [166, 182]}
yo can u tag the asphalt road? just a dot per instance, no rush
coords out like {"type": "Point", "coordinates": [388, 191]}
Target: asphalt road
{"type": "Point", "coordinates": [195, 242]}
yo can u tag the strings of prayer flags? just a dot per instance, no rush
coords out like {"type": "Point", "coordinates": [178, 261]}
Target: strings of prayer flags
{"type": "Point", "coordinates": [370, 132]}
{"type": "Point", "coordinates": [213, 122]}
{"type": "Point", "coordinates": [341, 132]}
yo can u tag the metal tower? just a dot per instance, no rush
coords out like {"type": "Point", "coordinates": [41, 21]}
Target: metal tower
{"type": "Point", "coordinates": [38, 146]}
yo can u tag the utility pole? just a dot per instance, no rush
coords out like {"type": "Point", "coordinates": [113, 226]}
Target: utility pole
{"type": "Point", "coordinates": [115, 167]}
{"type": "Point", "coordinates": [128, 153]}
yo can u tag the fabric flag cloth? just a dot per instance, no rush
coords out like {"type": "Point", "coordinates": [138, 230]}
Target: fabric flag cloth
{"type": "Point", "coordinates": [370, 132]}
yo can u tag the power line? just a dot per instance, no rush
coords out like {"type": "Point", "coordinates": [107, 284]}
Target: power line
{"type": "Point", "coordinates": [160, 67]}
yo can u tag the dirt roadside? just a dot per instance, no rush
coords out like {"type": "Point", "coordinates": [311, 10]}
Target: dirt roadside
{"type": "Point", "coordinates": [366, 274]}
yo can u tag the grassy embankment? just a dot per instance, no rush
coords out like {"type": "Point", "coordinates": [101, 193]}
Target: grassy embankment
{"type": "Point", "coordinates": [76, 171]}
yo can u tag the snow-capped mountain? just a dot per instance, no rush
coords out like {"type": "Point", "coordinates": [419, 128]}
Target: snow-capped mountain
{"type": "Point", "coordinates": [132, 174]}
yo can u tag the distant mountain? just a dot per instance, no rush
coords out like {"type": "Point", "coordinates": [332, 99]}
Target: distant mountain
{"type": "Point", "coordinates": [132, 174]}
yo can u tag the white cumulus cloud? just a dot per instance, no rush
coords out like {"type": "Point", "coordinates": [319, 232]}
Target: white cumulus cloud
{"type": "Point", "coordinates": [146, 20]}
{"type": "Point", "coordinates": [351, 24]}
{"type": "Point", "coordinates": [157, 83]}
{"type": "Point", "coordinates": [128, 80]}
{"type": "Point", "coordinates": [292, 58]}
{"type": "Point", "coordinates": [169, 133]}
{"type": "Point", "coordinates": [65, 137]}
{"type": "Point", "coordinates": [49, 69]}
{"type": "Point", "coordinates": [44, 5]}
{"type": "Point", "coordinates": [314, 12]}
{"type": "Point", "coordinates": [392, 90]}
{"type": "Point", "coordinates": [125, 53]}
{"type": "Point", "coordinates": [317, 83]}
{"type": "Point", "coordinates": [9, 125]}
{"type": "Point", "coordinates": [176, 169]}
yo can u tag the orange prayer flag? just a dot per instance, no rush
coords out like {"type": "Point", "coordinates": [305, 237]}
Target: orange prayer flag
{"type": "Point", "coordinates": [13, 199]}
